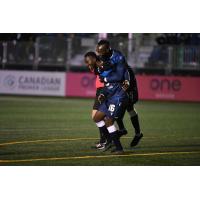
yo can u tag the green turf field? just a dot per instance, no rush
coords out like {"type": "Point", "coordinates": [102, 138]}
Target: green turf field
{"type": "Point", "coordinates": [56, 131]}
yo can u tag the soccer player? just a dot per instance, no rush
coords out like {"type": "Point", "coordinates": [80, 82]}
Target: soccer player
{"type": "Point", "coordinates": [92, 61]}
{"type": "Point", "coordinates": [114, 98]}
{"type": "Point", "coordinates": [113, 57]}
{"type": "Point", "coordinates": [95, 66]}
{"type": "Point", "coordinates": [113, 101]}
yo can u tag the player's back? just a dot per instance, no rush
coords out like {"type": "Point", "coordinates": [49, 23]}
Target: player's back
{"type": "Point", "coordinates": [116, 57]}
{"type": "Point", "coordinates": [114, 75]}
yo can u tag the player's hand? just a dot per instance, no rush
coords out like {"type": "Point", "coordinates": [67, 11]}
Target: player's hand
{"type": "Point", "coordinates": [99, 64]}
{"type": "Point", "coordinates": [101, 98]}
{"type": "Point", "coordinates": [125, 85]}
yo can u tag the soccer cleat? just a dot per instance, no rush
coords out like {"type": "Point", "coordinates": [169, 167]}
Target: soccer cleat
{"type": "Point", "coordinates": [108, 146]}
{"type": "Point", "coordinates": [122, 132]}
{"type": "Point", "coordinates": [100, 146]}
{"type": "Point", "coordinates": [100, 141]}
{"type": "Point", "coordinates": [136, 140]}
{"type": "Point", "coordinates": [117, 151]}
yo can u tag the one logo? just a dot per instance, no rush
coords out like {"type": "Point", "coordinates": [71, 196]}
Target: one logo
{"type": "Point", "coordinates": [9, 81]}
{"type": "Point", "coordinates": [165, 84]}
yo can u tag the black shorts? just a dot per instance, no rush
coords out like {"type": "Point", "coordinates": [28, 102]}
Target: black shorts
{"type": "Point", "coordinates": [133, 90]}
{"type": "Point", "coordinates": [96, 102]}
{"type": "Point", "coordinates": [133, 98]}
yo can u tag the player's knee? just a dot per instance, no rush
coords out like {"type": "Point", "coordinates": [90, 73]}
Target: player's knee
{"type": "Point", "coordinates": [109, 122]}
{"type": "Point", "coordinates": [133, 112]}
{"type": "Point", "coordinates": [96, 118]}
{"type": "Point", "coordinates": [130, 108]}
{"type": "Point", "coordinates": [99, 116]}
{"type": "Point", "coordinates": [93, 113]}
{"type": "Point", "coordinates": [100, 124]}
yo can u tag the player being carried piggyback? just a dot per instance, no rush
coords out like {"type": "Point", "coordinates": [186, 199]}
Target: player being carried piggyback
{"type": "Point", "coordinates": [116, 92]}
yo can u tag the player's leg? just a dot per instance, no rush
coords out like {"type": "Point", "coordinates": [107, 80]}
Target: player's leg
{"type": "Point", "coordinates": [120, 123]}
{"type": "Point", "coordinates": [120, 115]}
{"type": "Point", "coordinates": [114, 135]}
{"type": "Point", "coordinates": [99, 120]}
{"type": "Point", "coordinates": [93, 113]}
{"type": "Point", "coordinates": [102, 137]}
{"type": "Point", "coordinates": [135, 122]}
{"type": "Point", "coordinates": [116, 109]}
{"type": "Point", "coordinates": [133, 98]}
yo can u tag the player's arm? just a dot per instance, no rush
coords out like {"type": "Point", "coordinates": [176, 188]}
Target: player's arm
{"type": "Point", "coordinates": [102, 95]}
{"type": "Point", "coordinates": [126, 83]}
{"type": "Point", "coordinates": [105, 66]}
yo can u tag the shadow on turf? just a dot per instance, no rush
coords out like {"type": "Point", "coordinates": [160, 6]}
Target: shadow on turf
{"type": "Point", "coordinates": [163, 146]}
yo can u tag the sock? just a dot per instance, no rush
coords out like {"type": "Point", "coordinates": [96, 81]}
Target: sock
{"type": "Point", "coordinates": [115, 137]}
{"type": "Point", "coordinates": [120, 124]}
{"type": "Point", "coordinates": [104, 134]}
{"type": "Point", "coordinates": [136, 124]}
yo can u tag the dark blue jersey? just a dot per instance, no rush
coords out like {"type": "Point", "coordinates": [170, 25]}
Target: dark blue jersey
{"type": "Point", "coordinates": [113, 73]}
{"type": "Point", "coordinates": [116, 65]}
{"type": "Point", "coordinates": [114, 58]}
{"type": "Point", "coordinates": [117, 70]}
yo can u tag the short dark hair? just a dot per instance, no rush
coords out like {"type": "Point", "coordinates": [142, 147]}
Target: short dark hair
{"type": "Point", "coordinates": [104, 42]}
{"type": "Point", "coordinates": [91, 54]}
